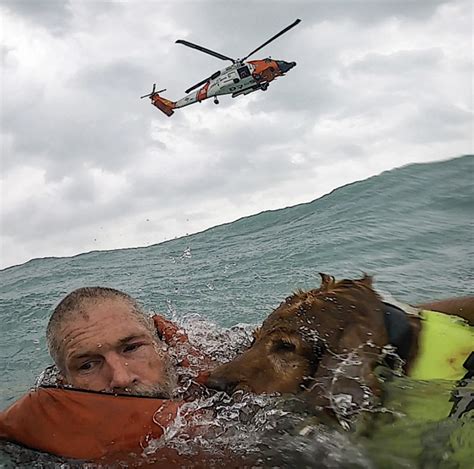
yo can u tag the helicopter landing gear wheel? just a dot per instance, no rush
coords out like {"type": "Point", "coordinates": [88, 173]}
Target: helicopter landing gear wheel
{"type": "Point", "coordinates": [216, 101]}
{"type": "Point", "coordinates": [264, 86]}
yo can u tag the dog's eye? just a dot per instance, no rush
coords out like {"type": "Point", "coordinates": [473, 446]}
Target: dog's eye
{"type": "Point", "coordinates": [284, 346]}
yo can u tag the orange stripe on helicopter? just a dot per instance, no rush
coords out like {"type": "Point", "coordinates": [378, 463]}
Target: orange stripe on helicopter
{"type": "Point", "coordinates": [202, 93]}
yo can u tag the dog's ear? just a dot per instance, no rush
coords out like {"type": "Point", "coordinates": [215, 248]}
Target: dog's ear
{"type": "Point", "coordinates": [345, 379]}
{"type": "Point", "coordinates": [256, 333]}
{"type": "Point", "coordinates": [367, 280]}
{"type": "Point", "coordinates": [345, 370]}
{"type": "Point", "coordinates": [327, 281]}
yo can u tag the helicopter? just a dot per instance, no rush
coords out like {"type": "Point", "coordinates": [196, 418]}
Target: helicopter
{"type": "Point", "coordinates": [240, 78]}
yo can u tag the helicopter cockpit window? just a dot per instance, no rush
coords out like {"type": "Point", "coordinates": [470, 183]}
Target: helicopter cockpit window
{"type": "Point", "coordinates": [243, 72]}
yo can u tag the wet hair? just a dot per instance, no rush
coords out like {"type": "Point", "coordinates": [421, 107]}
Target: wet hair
{"type": "Point", "coordinates": [73, 305]}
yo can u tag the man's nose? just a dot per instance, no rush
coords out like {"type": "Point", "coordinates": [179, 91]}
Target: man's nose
{"type": "Point", "coordinates": [121, 376]}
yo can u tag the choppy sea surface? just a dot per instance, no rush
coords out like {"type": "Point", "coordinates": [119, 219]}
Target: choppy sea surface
{"type": "Point", "coordinates": [411, 227]}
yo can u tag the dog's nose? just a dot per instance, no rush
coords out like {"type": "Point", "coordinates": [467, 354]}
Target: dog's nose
{"type": "Point", "coordinates": [220, 384]}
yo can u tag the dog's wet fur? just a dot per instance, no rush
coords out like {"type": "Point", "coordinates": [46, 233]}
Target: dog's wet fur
{"type": "Point", "coordinates": [324, 345]}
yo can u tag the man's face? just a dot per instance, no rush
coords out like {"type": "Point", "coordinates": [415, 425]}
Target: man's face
{"type": "Point", "coordinates": [106, 348]}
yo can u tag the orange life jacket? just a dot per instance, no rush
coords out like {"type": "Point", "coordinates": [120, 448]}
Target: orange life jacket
{"type": "Point", "coordinates": [93, 425]}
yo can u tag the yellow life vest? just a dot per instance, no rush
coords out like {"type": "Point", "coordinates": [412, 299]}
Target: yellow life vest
{"type": "Point", "coordinates": [444, 344]}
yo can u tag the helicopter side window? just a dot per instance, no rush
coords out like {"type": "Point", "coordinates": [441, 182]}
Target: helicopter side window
{"type": "Point", "coordinates": [243, 72]}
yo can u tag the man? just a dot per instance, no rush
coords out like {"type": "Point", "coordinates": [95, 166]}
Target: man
{"type": "Point", "coordinates": [116, 381]}
{"type": "Point", "coordinates": [101, 340]}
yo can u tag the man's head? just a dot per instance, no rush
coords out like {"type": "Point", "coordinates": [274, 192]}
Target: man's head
{"type": "Point", "coordinates": [101, 340]}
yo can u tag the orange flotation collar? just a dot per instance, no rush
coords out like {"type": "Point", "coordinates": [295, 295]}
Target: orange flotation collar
{"type": "Point", "coordinates": [93, 425]}
{"type": "Point", "coordinates": [85, 425]}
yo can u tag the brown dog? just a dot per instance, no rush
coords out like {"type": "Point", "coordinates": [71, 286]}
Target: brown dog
{"type": "Point", "coordinates": [325, 344]}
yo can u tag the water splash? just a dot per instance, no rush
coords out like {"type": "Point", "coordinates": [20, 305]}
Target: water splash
{"type": "Point", "coordinates": [187, 253]}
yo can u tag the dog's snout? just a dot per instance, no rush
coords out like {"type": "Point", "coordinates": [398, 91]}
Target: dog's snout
{"type": "Point", "coordinates": [220, 383]}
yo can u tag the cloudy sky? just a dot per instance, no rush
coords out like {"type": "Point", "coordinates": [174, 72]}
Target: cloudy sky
{"type": "Point", "coordinates": [87, 165]}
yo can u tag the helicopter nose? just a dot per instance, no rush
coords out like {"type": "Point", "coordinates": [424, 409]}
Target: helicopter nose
{"type": "Point", "coordinates": [285, 66]}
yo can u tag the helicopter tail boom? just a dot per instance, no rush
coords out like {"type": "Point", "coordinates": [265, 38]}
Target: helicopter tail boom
{"type": "Point", "coordinates": [163, 104]}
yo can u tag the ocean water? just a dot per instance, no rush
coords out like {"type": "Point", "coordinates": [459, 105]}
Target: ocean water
{"type": "Point", "coordinates": [411, 227]}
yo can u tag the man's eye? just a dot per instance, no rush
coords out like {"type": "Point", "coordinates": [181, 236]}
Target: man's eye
{"type": "Point", "coordinates": [87, 366]}
{"type": "Point", "coordinates": [132, 347]}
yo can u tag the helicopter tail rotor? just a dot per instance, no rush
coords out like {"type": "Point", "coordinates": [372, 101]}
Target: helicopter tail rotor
{"type": "Point", "coordinates": [153, 92]}
{"type": "Point", "coordinates": [163, 104]}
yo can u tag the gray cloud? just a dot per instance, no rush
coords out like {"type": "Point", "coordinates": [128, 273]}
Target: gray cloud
{"type": "Point", "coordinates": [57, 16]}
{"type": "Point", "coordinates": [435, 123]}
{"type": "Point", "coordinates": [54, 15]}
{"type": "Point", "coordinates": [410, 61]}
{"type": "Point", "coordinates": [86, 164]}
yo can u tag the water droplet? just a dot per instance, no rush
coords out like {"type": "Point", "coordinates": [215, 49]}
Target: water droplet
{"type": "Point", "coordinates": [99, 345]}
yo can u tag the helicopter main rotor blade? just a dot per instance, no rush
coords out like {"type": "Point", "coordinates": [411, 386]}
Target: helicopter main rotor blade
{"type": "Point", "coordinates": [283, 31]}
{"type": "Point", "coordinates": [197, 85]}
{"type": "Point", "coordinates": [203, 49]}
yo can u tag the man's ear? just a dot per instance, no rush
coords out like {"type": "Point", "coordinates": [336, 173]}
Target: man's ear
{"type": "Point", "coordinates": [61, 379]}
{"type": "Point", "coordinates": [60, 376]}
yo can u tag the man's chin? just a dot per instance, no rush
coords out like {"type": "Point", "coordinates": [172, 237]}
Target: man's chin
{"type": "Point", "coordinates": [163, 390]}
{"type": "Point", "coordinates": [156, 391]}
